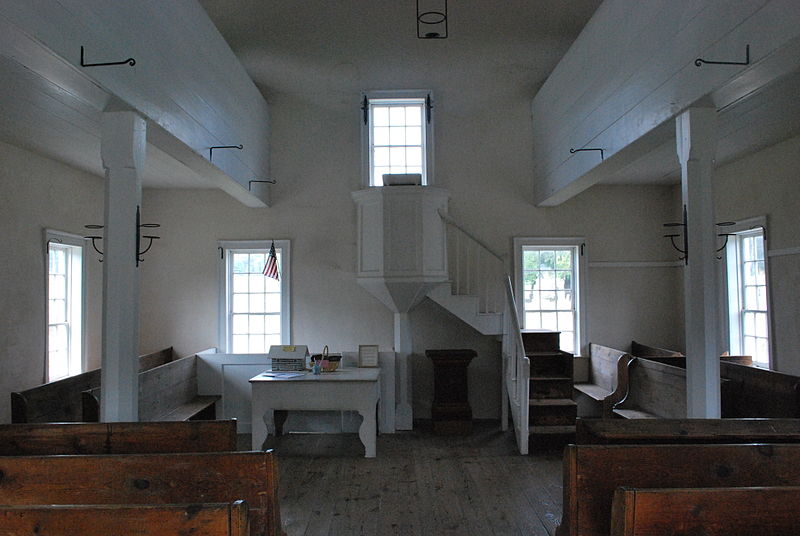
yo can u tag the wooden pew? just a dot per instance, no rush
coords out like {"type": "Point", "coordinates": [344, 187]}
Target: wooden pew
{"type": "Point", "coordinates": [166, 393]}
{"type": "Point", "coordinates": [653, 352]}
{"type": "Point", "coordinates": [758, 392]}
{"type": "Point", "coordinates": [593, 472]}
{"type": "Point", "coordinates": [147, 479]}
{"type": "Point", "coordinates": [117, 437]}
{"type": "Point", "coordinates": [608, 378]}
{"type": "Point", "coordinates": [685, 431]}
{"type": "Point", "coordinates": [198, 519]}
{"type": "Point", "coordinates": [655, 390]}
{"type": "Point", "coordinates": [60, 400]}
{"type": "Point", "coordinates": [707, 511]}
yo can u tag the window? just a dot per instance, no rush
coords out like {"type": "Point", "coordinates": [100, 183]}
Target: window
{"type": "Point", "coordinates": [748, 303]}
{"type": "Point", "coordinates": [397, 135]}
{"type": "Point", "coordinates": [549, 281]}
{"type": "Point", "coordinates": [254, 308]}
{"type": "Point", "coordinates": [65, 305]}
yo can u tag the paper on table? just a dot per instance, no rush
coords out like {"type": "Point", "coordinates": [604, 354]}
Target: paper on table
{"type": "Point", "coordinates": [271, 374]}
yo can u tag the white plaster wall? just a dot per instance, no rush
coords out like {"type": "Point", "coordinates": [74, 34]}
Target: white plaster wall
{"type": "Point", "coordinates": [38, 193]}
{"type": "Point", "coordinates": [767, 183]}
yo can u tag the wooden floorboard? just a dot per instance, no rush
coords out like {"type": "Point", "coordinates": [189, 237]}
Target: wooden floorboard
{"type": "Point", "coordinates": [420, 484]}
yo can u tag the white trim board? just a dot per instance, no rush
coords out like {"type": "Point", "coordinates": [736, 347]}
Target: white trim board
{"type": "Point", "coordinates": [783, 252]}
{"type": "Point", "coordinates": [636, 264]}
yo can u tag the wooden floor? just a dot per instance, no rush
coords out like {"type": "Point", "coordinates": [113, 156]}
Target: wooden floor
{"type": "Point", "coordinates": [420, 484]}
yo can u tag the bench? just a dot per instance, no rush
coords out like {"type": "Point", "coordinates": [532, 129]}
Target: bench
{"type": "Point", "coordinates": [608, 380]}
{"type": "Point", "coordinates": [198, 519]}
{"type": "Point", "coordinates": [156, 479]}
{"type": "Point", "coordinates": [653, 352]}
{"type": "Point", "coordinates": [707, 511]}
{"type": "Point", "coordinates": [683, 431]}
{"type": "Point", "coordinates": [655, 390]}
{"type": "Point", "coordinates": [592, 473]}
{"type": "Point", "coordinates": [117, 437]}
{"type": "Point", "coordinates": [166, 393]}
{"type": "Point", "coordinates": [61, 400]}
{"type": "Point", "coordinates": [758, 392]}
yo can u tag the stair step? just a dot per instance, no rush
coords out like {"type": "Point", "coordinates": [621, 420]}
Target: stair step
{"type": "Point", "coordinates": [552, 430]}
{"type": "Point", "coordinates": [545, 402]}
{"type": "Point", "coordinates": [551, 387]}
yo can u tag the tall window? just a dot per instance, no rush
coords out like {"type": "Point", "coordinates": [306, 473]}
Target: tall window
{"type": "Point", "coordinates": [397, 135]}
{"type": "Point", "coordinates": [65, 305]}
{"type": "Point", "coordinates": [549, 288]}
{"type": "Point", "coordinates": [254, 308]}
{"type": "Point", "coordinates": [748, 303]}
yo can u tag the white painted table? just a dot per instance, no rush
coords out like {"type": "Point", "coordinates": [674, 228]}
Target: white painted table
{"type": "Point", "coordinates": [354, 389]}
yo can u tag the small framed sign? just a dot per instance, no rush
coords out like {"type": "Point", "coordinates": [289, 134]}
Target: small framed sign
{"type": "Point", "coordinates": [367, 355]}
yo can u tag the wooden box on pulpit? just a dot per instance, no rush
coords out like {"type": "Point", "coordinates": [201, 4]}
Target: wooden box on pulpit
{"type": "Point", "coordinates": [451, 412]}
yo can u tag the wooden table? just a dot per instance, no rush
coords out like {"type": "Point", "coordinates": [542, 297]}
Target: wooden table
{"type": "Point", "coordinates": [354, 389]}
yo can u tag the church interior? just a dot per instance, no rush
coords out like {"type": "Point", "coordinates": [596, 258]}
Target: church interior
{"type": "Point", "coordinates": [501, 216]}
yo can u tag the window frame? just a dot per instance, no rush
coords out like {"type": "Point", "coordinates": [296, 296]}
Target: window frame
{"type": "Point", "coordinates": [581, 280]}
{"type": "Point", "coordinates": [223, 319]}
{"type": "Point", "coordinates": [75, 241]}
{"type": "Point", "coordinates": [366, 133]}
{"type": "Point", "coordinates": [733, 297]}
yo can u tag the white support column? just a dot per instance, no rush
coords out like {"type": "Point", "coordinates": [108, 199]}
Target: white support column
{"type": "Point", "coordinates": [123, 153]}
{"type": "Point", "coordinates": [404, 417]}
{"type": "Point", "coordinates": [696, 140]}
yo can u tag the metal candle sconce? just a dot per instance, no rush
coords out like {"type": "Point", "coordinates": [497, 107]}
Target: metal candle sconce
{"type": "Point", "coordinates": [685, 234]}
{"type": "Point", "coordinates": [139, 236]}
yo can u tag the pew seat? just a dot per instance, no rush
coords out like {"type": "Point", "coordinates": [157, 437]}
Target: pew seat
{"type": "Point", "coordinates": [197, 519]}
{"type": "Point", "coordinates": [608, 380]}
{"type": "Point", "coordinates": [708, 511]}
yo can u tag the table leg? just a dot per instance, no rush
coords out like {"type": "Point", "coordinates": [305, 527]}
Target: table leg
{"type": "Point", "coordinates": [263, 426]}
{"type": "Point", "coordinates": [367, 431]}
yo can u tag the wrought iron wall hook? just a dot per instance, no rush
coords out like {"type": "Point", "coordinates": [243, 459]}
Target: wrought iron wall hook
{"type": "Point", "coordinates": [602, 153]}
{"type": "Point", "coordinates": [139, 236]}
{"type": "Point", "coordinates": [129, 61]}
{"type": "Point", "coordinates": [211, 149]}
{"type": "Point", "coordinates": [94, 238]}
{"type": "Point", "coordinates": [700, 61]}
{"type": "Point", "coordinates": [685, 250]}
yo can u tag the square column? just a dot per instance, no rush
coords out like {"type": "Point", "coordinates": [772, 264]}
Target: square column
{"type": "Point", "coordinates": [696, 140]}
{"type": "Point", "coordinates": [123, 151]}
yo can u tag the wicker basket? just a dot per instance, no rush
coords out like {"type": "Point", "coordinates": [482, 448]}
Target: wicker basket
{"type": "Point", "coordinates": [328, 362]}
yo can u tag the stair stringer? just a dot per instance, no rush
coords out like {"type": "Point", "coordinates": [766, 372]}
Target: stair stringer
{"type": "Point", "coordinates": [466, 308]}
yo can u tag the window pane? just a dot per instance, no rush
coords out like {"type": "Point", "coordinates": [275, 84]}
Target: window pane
{"type": "Point", "coordinates": [257, 261]}
{"type": "Point", "coordinates": [761, 302]}
{"type": "Point", "coordinates": [240, 303]}
{"type": "Point", "coordinates": [547, 260]}
{"type": "Point", "coordinates": [57, 311]}
{"type": "Point", "coordinates": [239, 324]}
{"type": "Point", "coordinates": [530, 260]}
{"type": "Point", "coordinates": [414, 156]}
{"type": "Point", "coordinates": [239, 343]}
{"type": "Point", "coordinates": [397, 156]}
{"type": "Point", "coordinates": [750, 346]}
{"type": "Point", "coordinates": [533, 320]}
{"type": "Point", "coordinates": [761, 278]}
{"type": "Point", "coordinates": [547, 280]}
{"type": "Point", "coordinates": [397, 136]}
{"type": "Point", "coordinates": [761, 325]}
{"type": "Point", "coordinates": [240, 261]}
{"type": "Point", "coordinates": [378, 173]}
{"type": "Point", "coordinates": [567, 341]}
{"type": "Point", "coordinates": [239, 282]}
{"type": "Point", "coordinates": [256, 344]}
{"type": "Point", "coordinates": [532, 301]}
{"type": "Point", "coordinates": [397, 115]}
{"type": "Point", "coordinates": [563, 280]}
{"type": "Point", "coordinates": [529, 280]}
{"type": "Point", "coordinates": [272, 324]}
{"type": "Point", "coordinates": [414, 115]}
{"type": "Point", "coordinates": [749, 325]}
{"type": "Point", "coordinates": [380, 136]}
{"type": "Point", "coordinates": [564, 298]}
{"type": "Point", "coordinates": [273, 303]}
{"type": "Point", "coordinates": [550, 321]}
{"type": "Point", "coordinates": [564, 260]}
{"type": "Point", "coordinates": [565, 322]}
{"type": "Point", "coordinates": [413, 136]}
{"type": "Point", "coordinates": [750, 297]}
{"type": "Point", "coordinates": [761, 354]}
{"type": "Point", "coordinates": [256, 303]}
{"type": "Point", "coordinates": [548, 300]}
{"type": "Point", "coordinates": [380, 157]}
{"type": "Point", "coordinates": [256, 281]}
{"type": "Point", "coordinates": [380, 116]}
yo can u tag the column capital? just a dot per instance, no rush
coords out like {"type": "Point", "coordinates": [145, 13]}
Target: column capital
{"type": "Point", "coordinates": [123, 140]}
{"type": "Point", "coordinates": [696, 134]}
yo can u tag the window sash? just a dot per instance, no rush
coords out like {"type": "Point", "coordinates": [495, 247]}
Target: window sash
{"type": "Point", "coordinates": [250, 301]}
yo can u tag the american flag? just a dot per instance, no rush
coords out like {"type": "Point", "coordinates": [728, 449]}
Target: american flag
{"type": "Point", "coordinates": [271, 268]}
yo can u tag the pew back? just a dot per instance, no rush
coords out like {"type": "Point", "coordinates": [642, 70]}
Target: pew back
{"type": "Point", "coordinates": [760, 392]}
{"type": "Point", "coordinates": [147, 479]}
{"type": "Point", "coordinates": [655, 389]}
{"type": "Point", "coordinates": [117, 438]}
{"type": "Point", "coordinates": [60, 400]}
{"type": "Point", "coordinates": [593, 472]}
{"type": "Point", "coordinates": [199, 519]}
{"type": "Point", "coordinates": [685, 431]}
{"type": "Point", "coordinates": [706, 511]}
{"type": "Point", "coordinates": [608, 378]}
